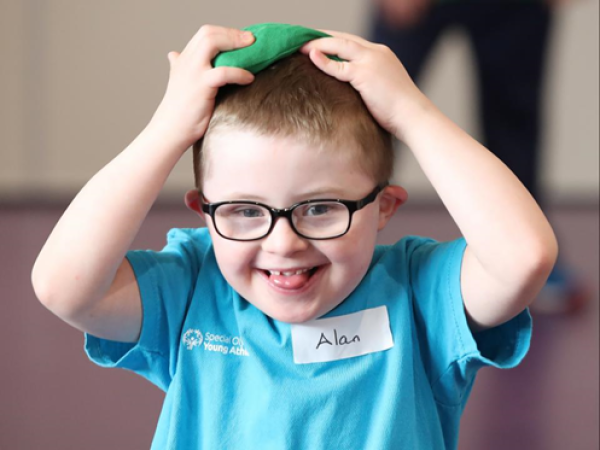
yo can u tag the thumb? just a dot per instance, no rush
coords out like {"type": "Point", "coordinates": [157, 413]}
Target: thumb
{"type": "Point", "coordinates": [333, 68]}
{"type": "Point", "coordinates": [172, 57]}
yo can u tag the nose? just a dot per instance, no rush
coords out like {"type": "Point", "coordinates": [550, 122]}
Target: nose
{"type": "Point", "coordinates": [283, 240]}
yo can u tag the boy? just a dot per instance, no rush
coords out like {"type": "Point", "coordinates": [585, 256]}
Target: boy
{"type": "Point", "coordinates": [278, 332]}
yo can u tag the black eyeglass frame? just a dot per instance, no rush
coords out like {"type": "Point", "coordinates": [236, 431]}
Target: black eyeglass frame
{"type": "Point", "coordinates": [352, 205]}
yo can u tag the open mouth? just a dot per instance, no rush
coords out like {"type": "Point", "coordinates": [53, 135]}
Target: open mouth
{"type": "Point", "coordinates": [293, 279]}
{"type": "Point", "coordinates": [289, 273]}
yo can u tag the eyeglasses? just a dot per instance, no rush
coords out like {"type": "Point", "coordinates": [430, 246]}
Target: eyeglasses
{"type": "Point", "coordinates": [241, 220]}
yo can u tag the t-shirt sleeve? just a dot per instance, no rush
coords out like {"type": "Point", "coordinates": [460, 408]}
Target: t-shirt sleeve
{"type": "Point", "coordinates": [452, 353]}
{"type": "Point", "coordinates": [166, 281]}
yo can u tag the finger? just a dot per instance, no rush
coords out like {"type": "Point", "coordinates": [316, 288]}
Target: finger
{"type": "Point", "coordinates": [339, 70]}
{"type": "Point", "coordinates": [172, 57]}
{"type": "Point", "coordinates": [211, 40]}
{"type": "Point", "coordinates": [350, 37]}
{"type": "Point", "coordinates": [208, 29]}
{"type": "Point", "coordinates": [221, 76]}
{"type": "Point", "coordinates": [343, 48]}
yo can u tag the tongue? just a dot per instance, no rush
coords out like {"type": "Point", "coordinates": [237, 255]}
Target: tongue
{"type": "Point", "coordinates": [290, 282]}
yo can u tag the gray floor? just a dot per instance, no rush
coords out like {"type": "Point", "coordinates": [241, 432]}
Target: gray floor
{"type": "Point", "coordinates": [53, 398]}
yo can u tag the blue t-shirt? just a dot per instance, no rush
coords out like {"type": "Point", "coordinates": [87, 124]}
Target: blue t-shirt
{"type": "Point", "coordinates": [229, 373]}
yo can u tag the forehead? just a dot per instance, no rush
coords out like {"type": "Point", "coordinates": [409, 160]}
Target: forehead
{"type": "Point", "coordinates": [244, 163]}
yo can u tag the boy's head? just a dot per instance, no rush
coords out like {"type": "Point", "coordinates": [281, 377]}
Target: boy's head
{"type": "Point", "coordinates": [294, 134]}
{"type": "Point", "coordinates": [294, 98]}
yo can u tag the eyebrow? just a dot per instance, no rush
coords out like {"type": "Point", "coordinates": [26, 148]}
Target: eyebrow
{"type": "Point", "coordinates": [309, 195]}
{"type": "Point", "coordinates": [324, 193]}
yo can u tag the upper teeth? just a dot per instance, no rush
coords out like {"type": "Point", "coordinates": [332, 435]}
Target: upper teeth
{"type": "Point", "coordinates": [289, 273]}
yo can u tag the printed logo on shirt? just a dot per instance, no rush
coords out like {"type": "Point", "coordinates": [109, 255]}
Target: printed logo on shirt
{"type": "Point", "coordinates": [210, 342]}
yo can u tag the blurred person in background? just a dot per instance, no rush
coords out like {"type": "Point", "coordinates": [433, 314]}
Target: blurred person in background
{"type": "Point", "coordinates": [509, 40]}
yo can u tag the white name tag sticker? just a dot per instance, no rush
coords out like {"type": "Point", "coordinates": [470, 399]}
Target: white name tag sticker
{"type": "Point", "coordinates": [335, 338]}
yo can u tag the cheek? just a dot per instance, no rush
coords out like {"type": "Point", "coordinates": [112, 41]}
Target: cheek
{"type": "Point", "coordinates": [363, 232]}
{"type": "Point", "coordinates": [353, 254]}
{"type": "Point", "coordinates": [356, 249]}
{"type": "Point", "coordinates": [234, 258]}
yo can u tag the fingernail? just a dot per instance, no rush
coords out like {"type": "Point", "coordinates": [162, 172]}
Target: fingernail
{"type": "Point", "coordinates": [247, 36]}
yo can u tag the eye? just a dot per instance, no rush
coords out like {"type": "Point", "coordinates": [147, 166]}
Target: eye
{"type": "Point", "coordinates": [249, 212]}
{"type": "Point", "coordinates": [317, 209]}
{"type": "Point", "coordinates": [240, 211]}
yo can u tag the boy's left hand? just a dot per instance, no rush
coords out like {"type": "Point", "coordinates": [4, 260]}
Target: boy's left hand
{"type": "Point", "coordinates": [509, 254]}
{"type": "Point", "coordinates": [376, 73]}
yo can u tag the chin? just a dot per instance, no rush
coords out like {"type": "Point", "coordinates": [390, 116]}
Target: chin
{"type": "Point", "coordinates": [299, 315]}
{"type": "Point", "coordinates": [290, 315]}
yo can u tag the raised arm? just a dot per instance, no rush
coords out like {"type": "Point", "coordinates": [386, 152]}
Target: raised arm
{"type": "Point", "coordinates": [81, 273]}
{"type": "Point", "coordinates": [511, 247]}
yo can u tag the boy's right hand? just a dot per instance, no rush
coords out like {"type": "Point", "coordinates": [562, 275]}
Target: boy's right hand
{"type": "Point", "coordinates": [186, 109]}
{"type": "Point", "coordinates": [82, 274]}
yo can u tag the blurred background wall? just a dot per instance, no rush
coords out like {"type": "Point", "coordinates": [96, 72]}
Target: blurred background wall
{"type": "Point", "coordinates": [79, 80]}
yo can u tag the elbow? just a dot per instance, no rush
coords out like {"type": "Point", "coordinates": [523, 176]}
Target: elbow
{"type": "Point", "coordinates": [41, 286]}
{"type": "Point", "coordinates": [538, 266]}
{"type": "Point", "coordinates": [51, 297]}
{"type": "Point", "coordinates": [48, 291]}
{"type": "Point", "coordinates": [541, 253]}
{"type": "Point", "coordinates": [546, 257]}
{"type": "Point", "coordinates": [61, 294]}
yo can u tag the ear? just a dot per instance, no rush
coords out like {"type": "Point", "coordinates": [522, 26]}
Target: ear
{"type": "Point", "coordinates": [390, 200]}
{"type": "Point", "coordinates": [192, 201]}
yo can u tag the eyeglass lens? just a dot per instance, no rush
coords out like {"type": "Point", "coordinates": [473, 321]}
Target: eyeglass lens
{"type": "Point", "coordinates": [313, 220]}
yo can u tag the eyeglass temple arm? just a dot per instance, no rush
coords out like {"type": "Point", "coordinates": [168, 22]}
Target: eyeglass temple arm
{"type": "Point", "coordinates": [370, 198]}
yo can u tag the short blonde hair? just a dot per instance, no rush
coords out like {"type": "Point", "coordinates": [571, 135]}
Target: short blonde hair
{"type": "Point", "coordinates": [293, 98]}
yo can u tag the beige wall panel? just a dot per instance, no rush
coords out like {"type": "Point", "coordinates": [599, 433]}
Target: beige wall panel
{"type": "Point", "coordinates": [12, 114]}
{"type": "Point", "coordinates": [107, 70]}
{"type": "Point", "coordinates": [84, 78]}
{"type": "Point", "coordinates": [572, 136]}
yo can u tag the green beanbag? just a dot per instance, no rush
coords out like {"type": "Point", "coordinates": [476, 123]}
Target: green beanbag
{"type": "Point", "coordinates": [273, 41]}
